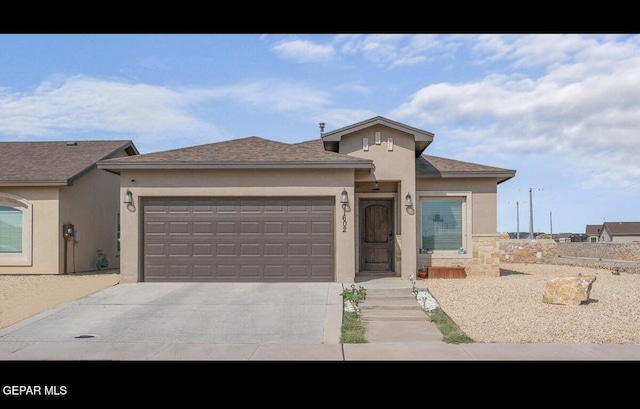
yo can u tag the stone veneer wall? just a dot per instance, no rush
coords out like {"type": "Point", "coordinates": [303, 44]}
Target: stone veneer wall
{"type": "Point", "coordinates": [485, 260]}
{"type": "Point", "coordinates": [619, 256]}
{"type": "Point", "coordinates": [609, 251]}
{"type": "Point", "coordinates": [538, 251]}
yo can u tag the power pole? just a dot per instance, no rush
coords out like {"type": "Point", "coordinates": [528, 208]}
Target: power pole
{"type": "Point", "coordinates": [530, 214]}
{"type": "Point", "coordinates": [551, 223]}
{"type": "Point", "coordinates": [518, 220]}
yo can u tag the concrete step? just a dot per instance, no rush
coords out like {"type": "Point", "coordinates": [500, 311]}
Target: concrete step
{"type": "Point", "coordinates": [394, 315]}
{"type": "Point", "coordinates": [402, 331]}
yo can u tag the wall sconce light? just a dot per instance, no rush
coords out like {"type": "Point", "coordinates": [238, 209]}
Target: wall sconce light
{"type": "Point", "coordinates": [408, 201]}
{"type": "Point", "coordinates": [376, 186]}
{"type": "Point", "coordinates": [344, 199]}
{"type": "Point", "coordinates": [128, 197]}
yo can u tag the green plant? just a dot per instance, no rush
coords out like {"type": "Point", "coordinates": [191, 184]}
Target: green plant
{"type": "Point", "coordinates": [353, 330]}
{"type": "Point", "coordinates": [354, 295]}
{"type": "Point", "coordinates": [451, 333]}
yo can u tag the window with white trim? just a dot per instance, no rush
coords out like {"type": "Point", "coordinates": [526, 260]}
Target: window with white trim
{"type": "Point", "coordinates": [15, 230]}
{"type": "Point", "coordinates": [444, 223]}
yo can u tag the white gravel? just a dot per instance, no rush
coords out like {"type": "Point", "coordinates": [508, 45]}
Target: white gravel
{"type": "Point", "coordinates": [509, 308]}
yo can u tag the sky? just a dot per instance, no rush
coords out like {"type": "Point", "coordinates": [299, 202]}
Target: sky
{"type": "Point", "coordinates": [563, 110]}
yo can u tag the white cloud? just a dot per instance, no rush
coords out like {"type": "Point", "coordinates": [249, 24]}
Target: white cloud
{"type": "Point", "coordinates": [303, 51]}
{"type": "Point", "coordinates": [584, 108]}
{"type": "Point", "coordinates": [273, 95]}
{"type": "Point", "coordinates": [82, 103]}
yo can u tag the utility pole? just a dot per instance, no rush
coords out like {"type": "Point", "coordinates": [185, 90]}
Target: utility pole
{"type": "Point", "coordinates": [517, 220]}
{"type": "Point", "coordinates": [530, 214]}
{"type": "Point", "coordinates": [551, 223]}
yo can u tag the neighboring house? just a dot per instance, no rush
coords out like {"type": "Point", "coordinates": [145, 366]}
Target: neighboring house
{"type": "Point", "coordinates": [620, 232]}
{"type": "Point", "coordinates": [360, 199]}
{"type": "Point", "coordinates": [593, 232]}
{"type": "Point", "coordinates": [56, 208]}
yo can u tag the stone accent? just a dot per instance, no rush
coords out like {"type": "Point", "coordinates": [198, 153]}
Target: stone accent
{"type": "Point", "coordinates": [485, 260]}
{"type": "Point", "coordinates": [537, 251]}
{"type": "Point", "coordinates": [573, 290]}
{"type": "Point", "coordinates": [605, 251]}
{"type": "Point", "coordinates": [613, 256]}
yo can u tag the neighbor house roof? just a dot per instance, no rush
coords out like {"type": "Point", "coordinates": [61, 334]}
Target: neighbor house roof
{"type": "Point", "coordinates": [428, 166]}
{"type": "Point", "coordinates": [622, 228]}
{"type": "Point", "coordinates": [593, 229]}
{"type": "Point", "coordinates": [56, 163]}
{"type": "Point", "coordinates": [250, 152]}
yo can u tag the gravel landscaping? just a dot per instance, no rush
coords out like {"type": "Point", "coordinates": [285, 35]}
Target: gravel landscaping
{"type": "Point", "coordinates": [509, 308]}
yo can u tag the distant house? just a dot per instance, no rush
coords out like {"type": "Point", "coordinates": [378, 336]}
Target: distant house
{"type": "Point", "coordinates": [593, 232]}
{"type": "Point", "coordinates": [620, 232]}
{"type": "Point", "coordinates": [56, 207]}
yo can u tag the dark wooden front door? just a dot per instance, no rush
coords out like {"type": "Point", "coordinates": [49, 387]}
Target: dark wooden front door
{"type": "Point", "coordinates": [376, 235]}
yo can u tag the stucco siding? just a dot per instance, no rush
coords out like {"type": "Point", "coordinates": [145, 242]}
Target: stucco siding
{"type": "Point", "coordinates": [236, 183]}
{"type": "Point", "coordinates": [483, 197]}
{"type": "Point", "coordinates": [396, 165]}
{"type": "Point", "coordinates": [45, 230]}
{"type": "Point", "coordinates": [91, 204]}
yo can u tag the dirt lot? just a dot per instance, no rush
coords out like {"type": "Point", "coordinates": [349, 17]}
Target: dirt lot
{"type": "Point", "coordinates": [22, 296]}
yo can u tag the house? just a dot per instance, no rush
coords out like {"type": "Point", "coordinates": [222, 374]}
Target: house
{"type": "Point", "coordinates": [592, 232]}
{"type": "Point", "coordinates": [56, 207]}
{"type": "Point", "coordinates": [364, 198]}
{"type": "Point", "coordinates": [620, 232]}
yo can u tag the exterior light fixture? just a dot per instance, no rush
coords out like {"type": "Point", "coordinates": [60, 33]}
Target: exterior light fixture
{"type": "Point", "coordinates": [128, 197]}
{"type": "Point", "coordinates": [344, 199]}
{"type": "Point", "coordinates": [376, 186]}
{"type": "Point", "coordinates": [408, 201]}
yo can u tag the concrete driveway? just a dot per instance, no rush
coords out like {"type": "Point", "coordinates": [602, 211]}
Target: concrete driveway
{"type": "Point", "coordinates": [186, 321]}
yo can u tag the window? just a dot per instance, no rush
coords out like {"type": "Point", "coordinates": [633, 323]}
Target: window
{"type": "Point", "coordinates": [444, 223]}
{"type": "Point", "coordinates": [10, 230]}
{"type": "Point", "coordinates": [15, 230]}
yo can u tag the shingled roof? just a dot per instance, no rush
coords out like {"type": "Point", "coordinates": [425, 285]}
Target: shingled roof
{"type": "Point", "coordinates": [593, 229]}
{"type": "Point", "coordinates": [250, 152]}
{"type": "Point", "coordinates": [622, 228]}
{"type": "Point", "coordinates": [56, 163]}
{"type": "Point", "coordinates": [428, 166]}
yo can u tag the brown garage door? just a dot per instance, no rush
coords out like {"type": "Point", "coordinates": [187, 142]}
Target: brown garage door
{"type": "Point", "coordinates": [230, 239]}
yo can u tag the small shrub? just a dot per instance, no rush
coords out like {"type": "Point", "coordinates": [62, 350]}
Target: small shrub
{"type": "Point", "coordinates": [353, 331]}
{"type": "Point", "coordinates": [354, 295]}
{"type": "Point", "coordinates": [451, 333]}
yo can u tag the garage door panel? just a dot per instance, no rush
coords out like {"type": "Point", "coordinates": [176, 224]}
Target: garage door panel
{"type": "Point", "coordinates": [254, 239]}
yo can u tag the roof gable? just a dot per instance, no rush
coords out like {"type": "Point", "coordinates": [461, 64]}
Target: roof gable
{"type": "Point", "coordinates": [54, 162]}
{"type": "Point", "coordinates": [428, 166]}
{"type": "Point", "coordinates": [622, 228]}
{"type": "Point", "coordinates": [422, 138]}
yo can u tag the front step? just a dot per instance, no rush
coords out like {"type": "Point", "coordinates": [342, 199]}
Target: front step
{"type": "Point", "coordinates": [391, 305]}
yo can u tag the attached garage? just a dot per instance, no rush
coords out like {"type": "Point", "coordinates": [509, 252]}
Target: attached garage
{"type": "Point", "coordinates": [256, 239]}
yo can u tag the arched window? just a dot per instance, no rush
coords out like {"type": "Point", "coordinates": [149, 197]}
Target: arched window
{"type": "Point", "coordinates": [15, 230]}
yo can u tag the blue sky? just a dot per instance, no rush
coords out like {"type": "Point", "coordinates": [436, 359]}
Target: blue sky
{"type": "Point", "coordinates": [562, 110]}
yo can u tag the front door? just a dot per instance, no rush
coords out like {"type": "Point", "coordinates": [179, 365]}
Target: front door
{"type": "Point", "coordinates": [376, 235]}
